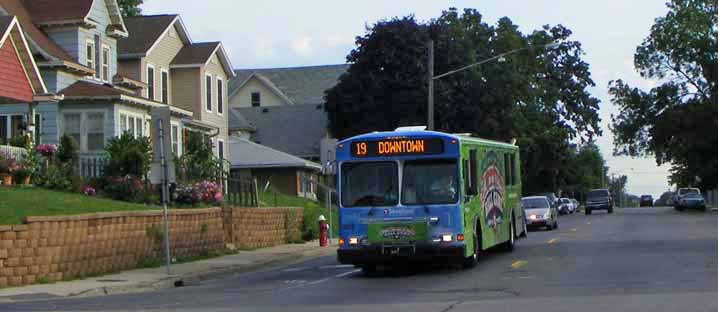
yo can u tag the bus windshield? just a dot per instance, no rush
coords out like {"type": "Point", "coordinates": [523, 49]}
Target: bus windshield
{"type": "Point", "coordinates": [370, 184]}
{"type": "Point", "coordinates": [430, 182]}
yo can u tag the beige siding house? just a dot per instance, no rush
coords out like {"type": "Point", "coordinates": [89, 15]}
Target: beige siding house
{"type": "Point", "coordinates": [177, 71]}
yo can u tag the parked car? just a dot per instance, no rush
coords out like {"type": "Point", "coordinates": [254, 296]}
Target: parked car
{"type": "Point", "coordinates": [540, 213]}
{"type": "Point", "coordinates": [646, 201]}
{"type": "Point", "coordinates": [565, 206]}
{"type": "Point", "coordinates": [552, 199]}
{"type": "Point", "coordinates": [599, 199]}
{"type": "Point", "coordinates": [576, 204]}
{"type": "Point", "coordinates": [689, 198]}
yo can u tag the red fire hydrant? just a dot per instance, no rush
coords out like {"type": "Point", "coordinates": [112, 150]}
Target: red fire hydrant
{"type": "Point", "coordinates": [323, 242]}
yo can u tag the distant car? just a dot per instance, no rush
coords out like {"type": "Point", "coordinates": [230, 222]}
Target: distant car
{"type": "Point", "coordinates": [646, 201]}
{"type": "Point", "coordinates": [552, 199]}
{"type": "Point", "coordinates": [539, 213]}
{"type": "Point", "coordinates": [576, 204]}
{"type": "Point", "coordinates": [565, 206]}
{"type": "Point", "coordinates": [689, 198]}
{"type": "Point", "coordinates": [599, 200]}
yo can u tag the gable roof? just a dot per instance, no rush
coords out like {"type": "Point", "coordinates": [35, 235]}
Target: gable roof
{"type": "Point", "coordinates": [237, 122]}
{"type": "Point", "coordinates": [301, 85]}
{"type": "Point", "coordinates": [279, 127]}
{"type": "Point", "coordinates": [146, 31]}
{"type": "Point", "coordinates": [47, 48]}
{"type": "Point", "coordinates": [10, 29]}
{"type": "Point", "coordinates": [44, 11]}
{"type": "Point", "coordinates": [54, 12]}
{"type": "Point", "coordinates": [245, 154]}
{"type": "Point", "coordinates": [200, 53]}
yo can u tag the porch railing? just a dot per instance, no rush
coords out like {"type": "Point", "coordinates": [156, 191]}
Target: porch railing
{"type": "Point", "coordinates": [91, 165]}
{"type": "Point", "coordinates": [16, 152]}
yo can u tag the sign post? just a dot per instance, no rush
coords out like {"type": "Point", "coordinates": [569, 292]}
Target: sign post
{"type": "Point", "coordinates": [162, 171]}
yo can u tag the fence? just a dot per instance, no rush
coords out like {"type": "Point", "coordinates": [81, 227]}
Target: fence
{"type": "Point", "coordinates": [240, 192]}
{"type": "Point", "coordinates": [16, 152]}
{"type": "Point", "coordinates": [91, 165]}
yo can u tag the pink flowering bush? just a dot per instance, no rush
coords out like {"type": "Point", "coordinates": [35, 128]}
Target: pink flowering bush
{"type": "Point", "coordinates": [89, 191]}
{"type": "Point", "coordinates": [202, 192]}
{"type": "Point", "coordinates": [47, 150]}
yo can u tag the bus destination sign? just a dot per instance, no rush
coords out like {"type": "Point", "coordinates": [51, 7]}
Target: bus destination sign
{"type": "Point", "coordinates": [397, 147]}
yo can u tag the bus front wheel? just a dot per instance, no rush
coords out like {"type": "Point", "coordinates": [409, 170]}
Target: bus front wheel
{"type": "Point", "coordinates": [470, 261]}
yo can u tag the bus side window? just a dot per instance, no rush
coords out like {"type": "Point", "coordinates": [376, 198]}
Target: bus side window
{"type": "Point", "coordinates": [473, 169]}
{"type": "Point", "coordinates": [514, 176]}
{"type": "Point", "coordinates": [507, 169]}
{"type": "Point", "coordinates": [467, 177]}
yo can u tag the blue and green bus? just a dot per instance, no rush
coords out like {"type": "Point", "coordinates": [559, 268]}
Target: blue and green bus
{"type": "Point", "coordinates": [415, 195]}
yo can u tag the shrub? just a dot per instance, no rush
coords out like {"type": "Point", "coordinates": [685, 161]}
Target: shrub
{"type": "Point", "coordinates": [128, 156]}
{"type": "Point", "coordinates": [202, 192]}
{"type": "Point", "coordinates": [198, 162]}
{"type": "Point", "coordinates": [59, 177]}
{"type": "Point", "coordinates": [125, 188]}
{"type": "Point", "coordinates": [68, 150]}
{"type": "Point", "coordinates": [21, 140]}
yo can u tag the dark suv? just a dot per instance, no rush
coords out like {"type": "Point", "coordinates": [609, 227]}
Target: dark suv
{"type": "Point", "coordinates": [646, 201]}
{"type": "Point", "coordinates": [599, 200]}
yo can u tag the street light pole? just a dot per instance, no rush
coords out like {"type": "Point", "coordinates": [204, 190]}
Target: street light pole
{"type": "Point", "coordinates": [431, 77]}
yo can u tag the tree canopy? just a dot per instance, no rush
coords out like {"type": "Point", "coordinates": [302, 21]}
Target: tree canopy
{"type": "Point", "coordinates": [673, 120]}
{"type": "Point", "coordinates": [130, 7]}
{"type": "Point", "coordinates": [537, 96]}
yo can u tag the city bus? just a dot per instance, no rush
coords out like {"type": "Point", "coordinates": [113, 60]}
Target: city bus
{"type": "Point", "coordinates": [413, 195]}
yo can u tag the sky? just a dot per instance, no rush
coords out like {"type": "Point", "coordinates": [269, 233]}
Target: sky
{"type": "Point", "coordinates": [274, 33]}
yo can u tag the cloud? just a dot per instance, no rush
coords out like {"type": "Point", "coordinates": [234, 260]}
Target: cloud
{"type": "Point", "coordinates": [302, 45]}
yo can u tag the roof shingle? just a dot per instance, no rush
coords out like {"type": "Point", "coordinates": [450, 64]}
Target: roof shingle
{"type": "Point", "coordinates": [16, 7]}
{"type": "Point", "coordinates": [88, 89]}
{"type": "Point", "coordinates": [247, 154]}
{"type": "Point", "coordinates": [53, 10]}
{"type": "Point", "coordinates": [302, 85]}
{"type": "Point", "coordinates": [144, 32]}
{"type": "Point", "coordinates": [293, 129]}
{"type": "Point", "coordinates": [196, 53]}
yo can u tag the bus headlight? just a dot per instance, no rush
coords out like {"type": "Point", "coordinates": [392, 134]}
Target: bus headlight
{"type": "Point", "coordinates": [353, 241]}
{"type": "Point", "coordinates": [447, 238]}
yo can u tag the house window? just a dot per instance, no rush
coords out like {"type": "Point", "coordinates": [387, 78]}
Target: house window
{"type": "Point", "coordinates": [140, 127]}
{"type": "Point", "coordinates": [95, 131]}
{"type": "Point", "coordinates": [165, 87]}
{"type": "Point", "coordinates": [175, 140]}
{"type": "Point", "coordinates": [256, 99]}
{"type": "Point", "coordinates": [38, 129]}
{"type": "Point", "coordinates": [123, 123]}
{"type": "Point", "coordinates": [131, 124]}
{"type": "Point", "coordinates": [72, 125]}
{"type": "Point", "coordinates": [150, 82]}
{"type": "Point", "coordinates": [208, 89]}
{"type": "Point", "coordinates": [10, 126]}
{"type": "Point", "coordinates": [220, 149]}
{"type": "Point", "coordinates": [220, 96]}
{"type": "Point", "coordinates": [105, 63]}
{"type": "Point", "coordinates": [90, 54]}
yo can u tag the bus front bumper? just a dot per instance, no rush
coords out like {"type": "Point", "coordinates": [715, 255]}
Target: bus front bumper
{"type": "Point", "coordinates": [388, 254]}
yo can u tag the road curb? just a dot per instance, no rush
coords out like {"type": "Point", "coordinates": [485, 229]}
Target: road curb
{"type": "Point", "coordinates": [196, 278]}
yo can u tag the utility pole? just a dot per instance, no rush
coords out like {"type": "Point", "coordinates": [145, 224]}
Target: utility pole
{"type": "Point", "coordinates": [430, 78]}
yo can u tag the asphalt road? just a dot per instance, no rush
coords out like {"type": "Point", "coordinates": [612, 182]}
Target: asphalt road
{"type": "Point", "coordinates": [641, 259]}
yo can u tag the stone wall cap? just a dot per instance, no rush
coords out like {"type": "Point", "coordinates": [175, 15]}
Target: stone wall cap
{"type": "Point", "coordinates": [120, 214]}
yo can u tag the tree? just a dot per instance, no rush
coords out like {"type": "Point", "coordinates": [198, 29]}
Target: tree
{"type": "Point", "coordinates": [584, 170]}
{"type": "Point", "coordinates": [130, 7]}
{"type": "Point", "coordinates": [617, 187]}
{"type": "Point", "coordinates": [538, 97]}
{"type": "Point", "coordinates": [672, 121]}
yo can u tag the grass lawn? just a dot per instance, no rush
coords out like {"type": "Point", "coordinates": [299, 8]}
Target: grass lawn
{"type": "Point", "coordinates": [17, 203]}
{"type": "Point", "coordinates": [312, 210]}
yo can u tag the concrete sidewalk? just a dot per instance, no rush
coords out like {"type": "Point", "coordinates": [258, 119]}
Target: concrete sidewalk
{"type": "Point", "coordinates": [140, 280]}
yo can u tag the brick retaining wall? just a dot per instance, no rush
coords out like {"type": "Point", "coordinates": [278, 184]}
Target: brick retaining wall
{"type": "Point", "coordinates": [263, 227]}
{"type": "Point", "coordinates": [66, 247]}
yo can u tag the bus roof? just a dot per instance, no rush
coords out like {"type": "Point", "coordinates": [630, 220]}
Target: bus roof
{"type": "Point", "coordinates": [460, 137]}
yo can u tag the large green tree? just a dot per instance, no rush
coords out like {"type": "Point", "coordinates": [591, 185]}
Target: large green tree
{"type": "Point", "coordinates": [674, 121]}
{"type": "Point", "coordinates": [130, 7]}
{"type": "Point", "coordinates": [536, 96]}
